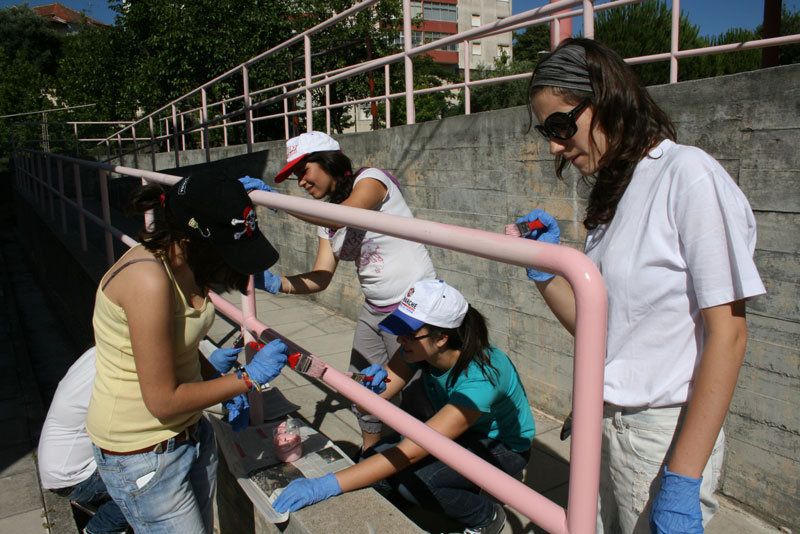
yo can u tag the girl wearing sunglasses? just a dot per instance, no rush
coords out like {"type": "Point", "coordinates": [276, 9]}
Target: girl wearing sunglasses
{"type": "Point", "coordinates": [673, 237]}
{"type": "Point", "coordinates": [479, 401]}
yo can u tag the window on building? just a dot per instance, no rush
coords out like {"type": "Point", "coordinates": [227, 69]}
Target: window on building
{"type": "Point", "coordinates": [503, 50]}
{"type": "Point", "coordinates": [435, 36]}
{"type": "Point", "coordinates": [476, 49]}
{"type": "Point", "coordinates": [416, 9]}
{"type": "Point", "coordinates": [441, 12]}
{"type": "Point", "coordinates": [476, 21]}
{"type": "Point", "coordinates": [416, 39]}
{"type": "Point", "coordinates": [365, 112]}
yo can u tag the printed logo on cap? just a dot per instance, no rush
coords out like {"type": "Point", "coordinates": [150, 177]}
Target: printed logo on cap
{"type": "Point", "coordinates": [249, 220]}
{"type": "Point", "coordinates": [291, 149]}
{"type": "Point", "coordinates": [407, 303]}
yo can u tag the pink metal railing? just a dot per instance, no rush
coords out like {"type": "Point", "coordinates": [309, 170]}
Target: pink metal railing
{"type": "Point", "coordinates": [580, 272]}
{"type": "Point", "coordinates": [172, 117]}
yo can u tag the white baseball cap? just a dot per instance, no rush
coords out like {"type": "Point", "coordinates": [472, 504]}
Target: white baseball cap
{"type": "Point", "coordinates": [301, 146]}
{"type": "Point", "coordinates": [430, 302]}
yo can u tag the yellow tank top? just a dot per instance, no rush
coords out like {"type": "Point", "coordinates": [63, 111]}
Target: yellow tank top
{"type": "Point", "coordinates": [118, 419]}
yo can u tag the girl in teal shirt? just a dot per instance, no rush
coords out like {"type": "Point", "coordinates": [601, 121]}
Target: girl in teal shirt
{"type": "Point", "coordinates": [479, 403]}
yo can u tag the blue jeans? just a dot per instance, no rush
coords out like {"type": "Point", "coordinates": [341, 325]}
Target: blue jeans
{"type": "Point", "coordinates": [109, 518]}
{"type": "Point", "coordinates": [435, 485]}
{"type": "Point", "coordinates": [165, 492]}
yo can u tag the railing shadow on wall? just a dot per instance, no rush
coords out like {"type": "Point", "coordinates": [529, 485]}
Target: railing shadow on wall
{"type": "Point", "coordinates": [193, 117]}
{"type": "Point", "coordinates": [34, 179]}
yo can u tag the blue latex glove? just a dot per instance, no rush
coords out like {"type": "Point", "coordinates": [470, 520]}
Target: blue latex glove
{"type": "Point", "coordinates": [268, 362]}
{"type": "Point", "coordinates": [238, 412]}
{"type": "Point", "coordinates": [255, 184]}
{"type": "Point", "coordinates": [378, 375]}
{"type": "Point", "coordinates": [676, 508]}
{"type": "Point", "coordinates": [304, 491]}
{"type": "Point", "coordinates": [223, 359]}
{"type": "Point", "coordinates": [267, 281]}
{"type": "Point", "coordinates": [549, 234]}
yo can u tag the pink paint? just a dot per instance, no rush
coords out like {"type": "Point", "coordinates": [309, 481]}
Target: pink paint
{"type": "Point", "coordinates": [287, 441]}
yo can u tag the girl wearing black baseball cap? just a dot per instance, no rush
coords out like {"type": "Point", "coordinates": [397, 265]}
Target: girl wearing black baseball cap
{"type": "Point", "coordinates": [154, 451]}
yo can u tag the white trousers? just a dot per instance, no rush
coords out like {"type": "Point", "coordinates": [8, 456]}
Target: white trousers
{"type": "Point", "coordinates": [637, 443]}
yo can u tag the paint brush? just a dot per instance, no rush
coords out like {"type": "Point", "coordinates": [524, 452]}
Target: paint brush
{"type": "Point", "coordinates": [301, 361]}
{"type": "Point", "coordinates": [307, 364]}
{"type": "Point", "coordinates": [521, 229]}
{"type": "Point", "coordinates": [361, 378]}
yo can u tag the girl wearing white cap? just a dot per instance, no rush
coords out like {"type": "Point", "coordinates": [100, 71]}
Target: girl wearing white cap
{"type": "Point", "coordinates": [386, 266]}
{"type": "Point", "coordinates": [480, 403]}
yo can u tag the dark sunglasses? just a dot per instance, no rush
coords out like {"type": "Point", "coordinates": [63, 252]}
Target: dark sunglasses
{"type": "Point", "coordinates": [561, 125]}
{"type": "Point", "coordinates": [414, 338]}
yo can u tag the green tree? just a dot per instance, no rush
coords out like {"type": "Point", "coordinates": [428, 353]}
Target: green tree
{"type": "Point", "coordinates": [29, 52]}
{"type": "Point", "coordinates": [644, 29]}
{"type": "Point", "coordinates": [532, 43]}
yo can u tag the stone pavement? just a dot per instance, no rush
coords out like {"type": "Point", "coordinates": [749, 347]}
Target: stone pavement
{"type": "Point", "coordinates": [29, 337]}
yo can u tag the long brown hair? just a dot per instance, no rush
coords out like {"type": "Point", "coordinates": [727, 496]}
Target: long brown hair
{"type": "Point", "coordinates": [623, 109]}
{"type": "Point", "coordinates": [206, 264]}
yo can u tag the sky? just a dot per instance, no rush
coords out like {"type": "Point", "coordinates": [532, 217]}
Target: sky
{"type": "Point", "coordinates": [712, 16]}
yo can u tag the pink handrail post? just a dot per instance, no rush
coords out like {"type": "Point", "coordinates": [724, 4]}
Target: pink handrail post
{"type": "Point", "coordinates": [248, 113]}
{"type": "Point", "coordinates": [60, 168]}
{"type": "Point", "coordinates": [388, 91]}
{"type": "Point", "coordinates": [175, 136]}
{"type": "Point", "coordinates": [590, 337]}
{"type": "Point", "coordinates": [119, 147]}
{"type": "Point", "coordinates": [411, 117]}
{"type": "Point", "coordinates": [135, 147]}
{"type": "Point", "coordinates": [152, 143]}
{"type": "Point", "coordinates": [328, 107]}
{"type": "Point", "coordinates": [467, 77]}
{"type": "Point", "coordinates": [248, 315]}
{"type": "Point", "coordinates": [307, 65]}
{"type": "Point", "coordinates": [674, 43]}
{"type": "Point", "coordinates": [77, 139]}
{"type": "Point", "coordinates": [183, 132]}
{"type": "Point", "coordinates": [106, 217]}
{"type": "Point", "coordinates": [76, 174]}
{"type": "Point", "coordinates": [588, 19]}
{"type": "Point", "coordinates": [205, 137]}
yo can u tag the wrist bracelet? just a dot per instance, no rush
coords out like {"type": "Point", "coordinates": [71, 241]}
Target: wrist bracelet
{"type": "Point", "coordinates": [249, 382]}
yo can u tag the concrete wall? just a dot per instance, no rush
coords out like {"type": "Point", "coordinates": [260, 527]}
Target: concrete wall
{"type": "Point", "coordinates": [482, 171]}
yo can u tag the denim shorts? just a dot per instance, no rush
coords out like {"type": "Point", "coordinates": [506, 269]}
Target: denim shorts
{"type": "Point", "coordinates": [636, 446]}
{"type": "Point", "coordinates": [165, 492]}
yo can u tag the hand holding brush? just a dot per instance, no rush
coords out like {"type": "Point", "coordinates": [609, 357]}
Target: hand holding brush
{"type": "Point", "coordinates": [267, 363]}
{"type": "Point", "coordinates": [373, 377]}
{"type": "Point", "coordinates": [539, 226]}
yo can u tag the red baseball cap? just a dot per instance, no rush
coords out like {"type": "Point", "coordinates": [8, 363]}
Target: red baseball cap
{"type": "Point", "coordinates": [301, 146]}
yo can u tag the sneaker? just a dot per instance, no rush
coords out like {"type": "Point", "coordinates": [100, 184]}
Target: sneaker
{"type": "Point", "coordinates": [495, 526]}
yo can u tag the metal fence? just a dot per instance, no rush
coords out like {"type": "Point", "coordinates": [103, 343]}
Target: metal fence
{"type": "Point", "coordinates": [40, 177]}
{"type": "Point", "coordinates": [188, 122]}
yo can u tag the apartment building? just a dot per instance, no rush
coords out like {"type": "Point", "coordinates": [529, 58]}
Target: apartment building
{"type": "Point", "coordinates": [441, 18]}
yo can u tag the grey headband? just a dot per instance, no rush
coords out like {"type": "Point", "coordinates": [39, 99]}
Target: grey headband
{"type": "Point", "coordinates": [565, 68]}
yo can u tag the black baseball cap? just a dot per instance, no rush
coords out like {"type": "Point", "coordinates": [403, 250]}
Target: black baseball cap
{"type": "Point", "coordinates": [217, 209]}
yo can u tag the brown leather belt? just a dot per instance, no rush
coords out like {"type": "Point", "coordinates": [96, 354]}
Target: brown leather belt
{"type": "Point", "coordinates": [158, 448]}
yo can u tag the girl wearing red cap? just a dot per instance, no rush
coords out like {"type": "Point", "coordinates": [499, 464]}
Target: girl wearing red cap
{"type": "Point", "coordinates": [386, 266]}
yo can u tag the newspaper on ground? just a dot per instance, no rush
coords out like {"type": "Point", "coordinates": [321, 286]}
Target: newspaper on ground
{"type": "Point", "coordinates": [250, 456]}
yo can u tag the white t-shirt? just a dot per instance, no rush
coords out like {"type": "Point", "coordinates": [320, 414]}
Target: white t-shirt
{"type": "Point", "coordinates": [387, 266]}
{"type": "Point", "coordinates": [682, 239]}
{"type": "Point", "coordinates": [65, 450]}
